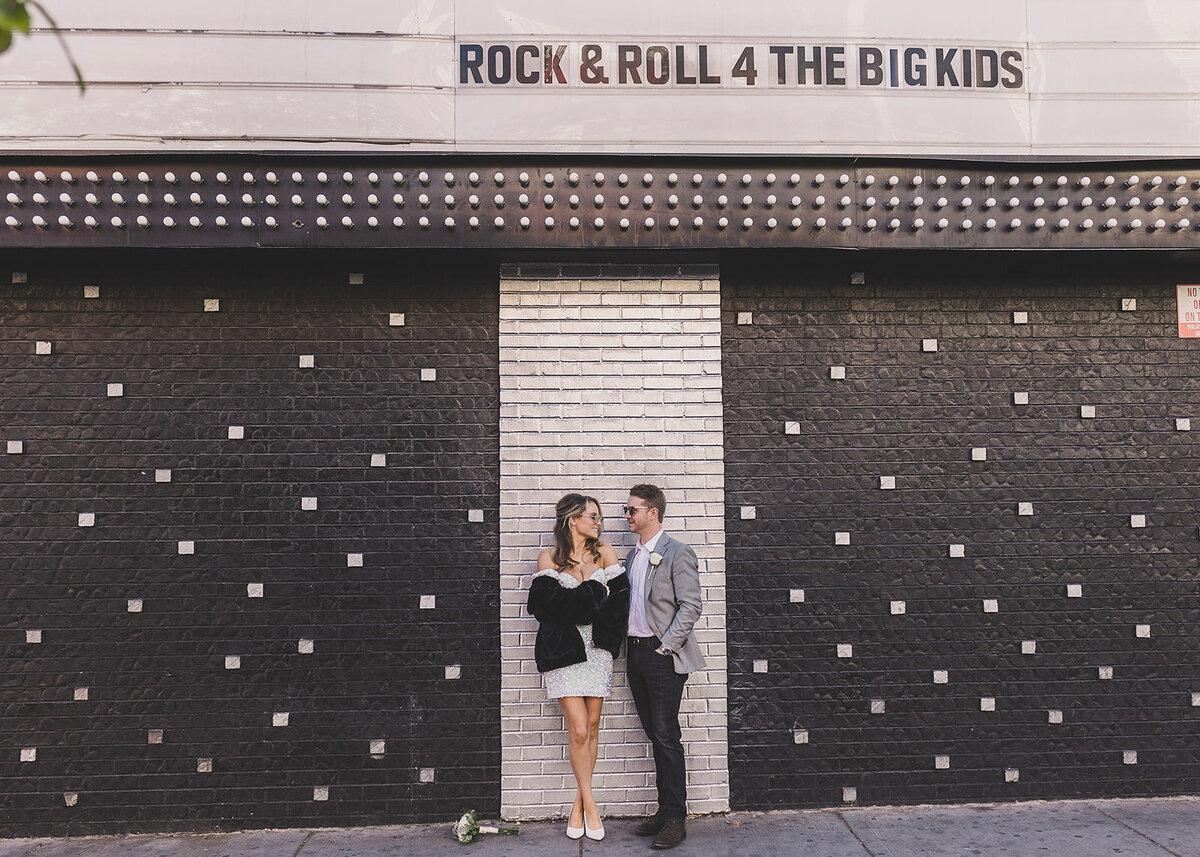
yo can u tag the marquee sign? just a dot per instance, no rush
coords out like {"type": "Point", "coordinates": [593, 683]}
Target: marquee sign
{"type": "Point", "coordinates": [736, 66]}
{"type": "Point", "coordinates": [1024, 80]}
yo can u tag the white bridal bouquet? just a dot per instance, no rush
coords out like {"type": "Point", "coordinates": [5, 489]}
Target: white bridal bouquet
{"type": "Point", "coordinates": [467, 828]}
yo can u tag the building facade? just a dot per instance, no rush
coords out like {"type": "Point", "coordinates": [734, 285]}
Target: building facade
{"type": "Point", "coordinates": [302, 346]}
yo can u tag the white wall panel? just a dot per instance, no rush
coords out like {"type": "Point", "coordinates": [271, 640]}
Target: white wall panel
{"type": "Point", "coordinates": [1114, 22]}
{"type": "Point", "coordinates": [430, 17]}
{"type": "Point", "coordinates": [730, 121]}
{"type": "Point", "coordinates": [1064, 70]}
{"type": "Point", "coordinates": [1158, 125]}
{"type": "Point", "coordinates": [304, 61]}
{"type": "Point", "coordinates": [175, 117]}
{"type": "Point", "coordinates": [803, 21]}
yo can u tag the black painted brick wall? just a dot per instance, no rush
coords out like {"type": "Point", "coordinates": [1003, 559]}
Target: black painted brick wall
{"type": "Point", "coordinates": [916, 416]}
{"type": "Point", "coordinates": [378, 666]}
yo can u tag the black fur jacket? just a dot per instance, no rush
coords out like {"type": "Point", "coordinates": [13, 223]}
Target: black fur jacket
{"type": "Point", "coordinates": [559, 609]}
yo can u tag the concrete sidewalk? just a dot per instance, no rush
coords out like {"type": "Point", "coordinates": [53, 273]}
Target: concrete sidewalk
{"type": "Point", "coordinates": [1131, 828]}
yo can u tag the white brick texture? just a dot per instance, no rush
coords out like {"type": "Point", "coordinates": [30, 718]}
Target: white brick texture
{"type": "Point", "coordinates": [603, 384]}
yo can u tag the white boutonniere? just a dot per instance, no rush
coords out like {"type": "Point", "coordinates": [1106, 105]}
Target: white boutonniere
{"type": "Point", "coordinates": [655, 559]}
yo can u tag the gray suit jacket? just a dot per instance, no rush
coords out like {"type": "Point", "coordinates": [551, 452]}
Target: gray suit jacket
{"type": "Point", "coordinates": [673, 601]}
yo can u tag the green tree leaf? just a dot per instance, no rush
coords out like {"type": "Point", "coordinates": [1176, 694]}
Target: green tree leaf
{"type": "Point", "coordinates": [13, 16]}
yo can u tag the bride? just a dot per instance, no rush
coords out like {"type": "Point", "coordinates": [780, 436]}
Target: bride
{"type": "Point", "coordinates": [580, 597]}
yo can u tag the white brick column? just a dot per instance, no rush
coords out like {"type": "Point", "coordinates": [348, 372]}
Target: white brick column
{"type": "Point", "coordinates": [605, 382]}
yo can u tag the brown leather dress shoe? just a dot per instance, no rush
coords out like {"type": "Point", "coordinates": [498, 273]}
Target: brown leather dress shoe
{"type": "Point", "coordinates": [650, 826]}
{"type": "Point", "coordinates": [672, 833]}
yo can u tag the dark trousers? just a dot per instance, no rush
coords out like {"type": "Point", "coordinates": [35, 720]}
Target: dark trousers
{"type": "Point", "coordinates": [657, 691]}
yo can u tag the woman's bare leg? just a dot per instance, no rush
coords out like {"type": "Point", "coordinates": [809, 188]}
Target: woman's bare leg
{"type": "Point", "coordinates": [592, 704]}
{"type": "Point", "coordinates": [581, 754]}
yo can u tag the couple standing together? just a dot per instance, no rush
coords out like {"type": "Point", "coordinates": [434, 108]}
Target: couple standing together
{"type": "Point", "coordinates": [587, 605]}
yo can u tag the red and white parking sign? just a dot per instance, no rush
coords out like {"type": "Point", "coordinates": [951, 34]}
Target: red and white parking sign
{"type": "Point", "coordinates": [1188, 301]}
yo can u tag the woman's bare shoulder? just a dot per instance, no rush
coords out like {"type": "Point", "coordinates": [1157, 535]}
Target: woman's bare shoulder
{"type": "Point", "coordinates": [608, 554]}
{"type": "Point", "coordinates": [546, 560]}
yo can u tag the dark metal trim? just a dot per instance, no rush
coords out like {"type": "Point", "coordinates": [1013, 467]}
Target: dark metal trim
{"type": "Point", "coordinates": [627, 203]}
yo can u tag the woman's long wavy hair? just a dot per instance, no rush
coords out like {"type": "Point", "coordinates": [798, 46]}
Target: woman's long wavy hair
{"type": "Point", "coordinates": [571, 506]}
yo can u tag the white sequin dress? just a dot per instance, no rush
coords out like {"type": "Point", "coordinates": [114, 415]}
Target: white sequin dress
{"type": "Point", "coordinates": [592, 677]}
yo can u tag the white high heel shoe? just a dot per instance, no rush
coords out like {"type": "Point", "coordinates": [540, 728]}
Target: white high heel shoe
{"type": "Point", "coordinates": [593, 833]}
{"type": "Point", "coordinates": [576, 832]}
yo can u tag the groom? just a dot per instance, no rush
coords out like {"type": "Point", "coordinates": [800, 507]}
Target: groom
{"type": "Point", "coordinates": [664, 604]}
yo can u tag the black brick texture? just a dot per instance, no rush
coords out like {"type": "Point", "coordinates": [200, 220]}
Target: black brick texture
{"type": "Point", "coordinates": [914, 415]}
{"type": "Point", "coordinates": [378, 667]}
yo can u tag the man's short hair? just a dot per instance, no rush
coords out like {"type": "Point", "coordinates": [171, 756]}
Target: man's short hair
{"type": "Point", "coordinates": [653, 496]}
